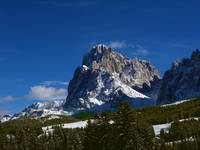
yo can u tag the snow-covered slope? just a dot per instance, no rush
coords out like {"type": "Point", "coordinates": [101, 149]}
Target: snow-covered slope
{"type": "Point", "coordinates": [5, 118]}
{"type": "Point", "coordinates": [176, 103]}
{"type": "Point", "coordinates": [104, 78]}
{"type": "Point", "coordinates": [79, 124]}
{"type": "Point", "coordinates": [106, 75]}
{"type": "Point", "coordinates": [166, 126]}
{"type": "Point", "coordinates": [50, 109]}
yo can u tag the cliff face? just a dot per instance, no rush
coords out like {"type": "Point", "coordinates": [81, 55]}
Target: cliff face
{"type": "Point", "coordinates": [106, 75]}
{"type": "Point", "coordinates": [182, 81]}
{"type": "Point", "coordinates": [132, 72]}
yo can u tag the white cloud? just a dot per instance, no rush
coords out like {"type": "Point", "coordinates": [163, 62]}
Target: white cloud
{"type": "Point", "coordinates": [118, 44]}
{"type": "Point", "coordinates": [46, 90]}
{"type": "Point", "coordinates": [46, 93]}
{"type": "Point", "coordinates": [5, 99]}
{"type": "Point", "coordinates": [138, 50]}
{"type": "Point", "coordinates": [53, 83]}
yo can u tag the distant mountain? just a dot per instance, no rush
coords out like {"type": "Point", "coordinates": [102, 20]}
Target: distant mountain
{"type": "Point", "coordinates": [106, 76]}
{"type": "Point", "coordinates": [50, 109]}
{"type": "Point", "coordinates": [104, 79]}
{"type": "Point", "coordinates": [182, 81]}
{"type": "Point", "coordinates": [5, 118]}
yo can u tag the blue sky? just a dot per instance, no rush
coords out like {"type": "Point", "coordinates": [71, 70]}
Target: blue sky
{"type": "Point", "coordinates": [43, 41]}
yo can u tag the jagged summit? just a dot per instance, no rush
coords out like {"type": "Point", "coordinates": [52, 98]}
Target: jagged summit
{"type": "Point", "coordinates": [99, 56]}
{"type": "Point", "coordinates": [100, 47]}
{"type": "Point", "coordinates": [196, 55]}
{"type": "Point", "coordinates": [106, 75]}
{"type": "Point", "coordinates": [182, 80]}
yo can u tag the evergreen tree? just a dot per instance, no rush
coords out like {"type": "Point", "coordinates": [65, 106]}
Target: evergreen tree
{"type": "Point", "coordinates": [128, 134]}
{"type": "Point", "coordinates": [125, 131]}
{"type": "Point", "coordinates": [97, 133]}
{"type": "Point", "coordinates": [2, 137]}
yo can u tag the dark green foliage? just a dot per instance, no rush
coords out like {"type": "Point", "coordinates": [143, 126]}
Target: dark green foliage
{"type": "Point", "coordinates": [84, 115]}
{"type": "Point", "coordinates": [2, 137]}
{"type": "Point", "coordinates": [159, 115]}
{"type": "Point", "coordinates": [98, 133]}
{"type": "Point", "coordinates": [64, 139]}
{"type": "Point", "coordinates": [182, 130]}
{"type": "Point", "coordinates": [119, 131]}
{"type": "Point", "coordinates": [62, 119]}
{"type": "Point", "coordinates": [125, 129]}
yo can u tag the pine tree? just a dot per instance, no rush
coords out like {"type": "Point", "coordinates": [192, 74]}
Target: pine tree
{"type": "Point", "coordinates": [2, 137]}
{"type": "Point", "coordinates": [97, 133]}
{"type": "Point", "coordinates": [126, 135]}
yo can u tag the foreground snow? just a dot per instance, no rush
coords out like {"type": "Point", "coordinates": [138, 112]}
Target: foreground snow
{"type": "Point", "coordinates": [82, 124]}
{"type": "Point", "coordinates": [79, 124]}
{"type": "Point", "coordinates": [159, 127]}
{"type": "Point", "coordinates": [176, 103]}
{"type": "Point", "coordinates": [167, 126]}
{"type": "Point", "coordinates": [191, 139]}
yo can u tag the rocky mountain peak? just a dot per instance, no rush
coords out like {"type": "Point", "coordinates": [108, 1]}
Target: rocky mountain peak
{"type": "Point", "coordinates": [102, 75]}
{"type": "Point", "coordinates": [196, 55]}
{"type": "Point", "coordinates": [181, 81]}
{"type": "Point", "coordinates": [101, 48]}
{"type": "Point", "coordinates": [102, 57]}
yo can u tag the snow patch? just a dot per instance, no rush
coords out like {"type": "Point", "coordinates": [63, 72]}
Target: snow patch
{"type": "Point", "coordinates": [79, 124]}
{"type": "Point", "coordinates": [176, 103]}
{"type": "Point", "coordinates": [167, 126]}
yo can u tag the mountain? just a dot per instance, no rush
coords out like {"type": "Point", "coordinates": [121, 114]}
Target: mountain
{"type": "Point", "coordinates": [181, 81]}
{"type": "Point", "coordinates": [106, 75]}
{"type": "Point", "coordinates": [104, 78]}
{"type": "Point", "coordinates": [50, 109]}
{"type": "Point", "coordinates": [5, 118]}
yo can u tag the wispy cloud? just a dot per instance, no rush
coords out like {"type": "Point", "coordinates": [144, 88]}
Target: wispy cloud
{"type": "Point", "coordinates": [54, 83]}
{"type": "Point", "coordinates": [46, 90]}
{"type": "Point", "coordinates": [138, 50]}
{"type": "Point", "coordinates": [39, 92]}
{"type": "Point", "coordinates": [6, 99]}
{"type": "Point", "coordinates": [72, 4]}
{"type": "Point", "coordinates": [118, 44]}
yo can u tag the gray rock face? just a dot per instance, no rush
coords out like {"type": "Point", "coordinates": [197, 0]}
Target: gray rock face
{"type": "Point", "coordinates": [132, 72]}
{"type": "Point", "coordinates": [106, 75]}
{"type": "Point", "coordinates": [182, 81]}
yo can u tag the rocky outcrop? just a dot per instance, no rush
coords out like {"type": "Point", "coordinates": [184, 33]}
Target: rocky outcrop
{"type": "Point", "coordinates": [106, 75]}
{"type": "Point", "coordinates": [182, 81]}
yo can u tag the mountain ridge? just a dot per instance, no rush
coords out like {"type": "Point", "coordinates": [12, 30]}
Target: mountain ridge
{"type": "Point", "coordinates": [181, 81]}
{"type": "Point", "coordinates": [104, 74]}
{"type": "Point", "coordinates": [106, 77]}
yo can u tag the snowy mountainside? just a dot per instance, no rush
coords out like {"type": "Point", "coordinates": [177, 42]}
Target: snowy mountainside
{"type": "Point", "coordinates": [5, 118]}
{"type": "Point", "coordinates": [50, 109]}
{"type": "Point", "coordinates": [105, 76]}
